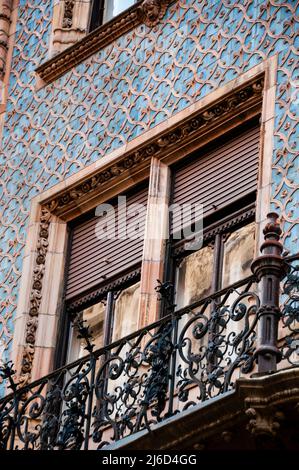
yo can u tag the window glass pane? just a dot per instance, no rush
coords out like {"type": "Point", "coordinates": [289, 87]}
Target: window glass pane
{"type": "Point", "coordinates": [115, 7]}
{"type": "Point", "coordinates": [94, 317]}
{"type": "Point", "coordinates": [194, 277]}
{"type": "Point", "coordinates": [126, 312]}
{"type": "Point", "coordinates": [238, 254]}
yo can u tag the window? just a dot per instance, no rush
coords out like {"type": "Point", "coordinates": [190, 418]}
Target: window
{"type": "Point", "coordinates": [103, 272]}
{"type": "Point", "coordinates": [223, 178]}
{"type": "Point", "coordinates": [103, 11]}
{"type": "Point", "coordinates": [224, 259]}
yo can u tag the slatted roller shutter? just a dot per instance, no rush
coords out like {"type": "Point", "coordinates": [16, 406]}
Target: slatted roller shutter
{"type": "Point", "coordinates": [219, 177]}
{"type": "Point", "coordinates": [94, 261]}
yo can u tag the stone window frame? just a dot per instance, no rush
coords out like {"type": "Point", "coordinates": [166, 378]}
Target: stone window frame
{"type": "Point", "coordinates": [8, 21]}
{"type": "Point", "coordinates": [71, 43]}
{"type": "Point", "coordinates": [148, 156]}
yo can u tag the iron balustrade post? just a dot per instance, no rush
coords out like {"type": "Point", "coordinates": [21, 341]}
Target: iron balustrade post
{"type": "Point", "coordinates": [90, 402]}
{"type": "Point", "coordinates": [269, 269]}
{"type": "Point", "coordinates": [7, 373]}
{"type": "Point", "coordinates": [167, 293]}
{"type": "Point", "coordinates": [173, 363]}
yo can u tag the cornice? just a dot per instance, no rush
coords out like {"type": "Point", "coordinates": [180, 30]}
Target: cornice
{"type": "Point", "coordinates": [102, 37]}
{"type": "Point", "coordinates": [180, 135]}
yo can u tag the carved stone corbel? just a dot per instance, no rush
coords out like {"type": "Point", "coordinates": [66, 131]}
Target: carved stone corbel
{"type": "Point", "coordinates": [264, 422]}
{"type": "Point", "coordinates": [152, 11]}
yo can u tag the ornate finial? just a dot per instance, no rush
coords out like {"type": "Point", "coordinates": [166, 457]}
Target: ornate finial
{"type": "Point", "coordinates": [84, 332]}
{"type": "Point", "coordinates": [272, 229]}
{"type": "Point", "coordinates": [152, 11]}
{"type": "Point", "coordinates": [166, 292]}
{"type": "Point", "coordinates": [272, 233]}
{"type": "Point", "coordinates": [269, 269]}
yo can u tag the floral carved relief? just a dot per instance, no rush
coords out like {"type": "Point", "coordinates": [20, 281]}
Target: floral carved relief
{"type": "Point", "coordinates": [35, 297]}
{"type": "Point", "coordinates": [152, 11]}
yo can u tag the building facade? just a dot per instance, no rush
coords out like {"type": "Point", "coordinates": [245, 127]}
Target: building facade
{"type": "Point", "coordinates": [182, 103]}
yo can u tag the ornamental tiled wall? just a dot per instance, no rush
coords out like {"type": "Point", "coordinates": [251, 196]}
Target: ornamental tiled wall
{"type": "Point", "coordinates": [134, 84]}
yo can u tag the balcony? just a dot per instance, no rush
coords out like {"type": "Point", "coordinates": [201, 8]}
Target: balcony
{"type": "Point", "coordinates": [226, 364]}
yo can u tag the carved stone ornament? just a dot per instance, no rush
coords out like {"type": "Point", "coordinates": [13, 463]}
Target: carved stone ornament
{"type": "Point", "coordinates": [152, 11]}
{"type": "Point", "coordinates": [35, 297]}
{"type": "Point", "coordinates": [264, 422]}
{"type": "Point", "coordinates": [162, 144]}
{"type": "Point", "coordinates": [67, 21]}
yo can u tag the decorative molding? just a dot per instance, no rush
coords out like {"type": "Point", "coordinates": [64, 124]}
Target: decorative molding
{"type": "Point", "coordinates": [151, 12]}
{"type": "Point", "coordinates": [67, 21]}
{"type": "Point", "coordinates": [5, 13]}
{"type": "Point", "coordinates": [92, 184]}
{"type": "Point", "coordinates": [35, 297]}
{"type": "Point", "coordinates": [96, 40]}
{"type": "Point", "coordinates": [180, 135]}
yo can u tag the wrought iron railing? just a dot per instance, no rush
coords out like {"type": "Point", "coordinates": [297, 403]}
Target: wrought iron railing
{"type": "Point", "coordinates": [187, 357]}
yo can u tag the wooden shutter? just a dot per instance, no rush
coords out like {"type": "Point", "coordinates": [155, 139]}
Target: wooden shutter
{"type": "Point", "coordinates": [93, 261]}
{"type": "Point", "coordinates": [220, 176]}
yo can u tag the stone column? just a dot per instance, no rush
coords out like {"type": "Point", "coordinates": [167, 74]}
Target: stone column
{"type": "Point", "coordinates": [156, 234]}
